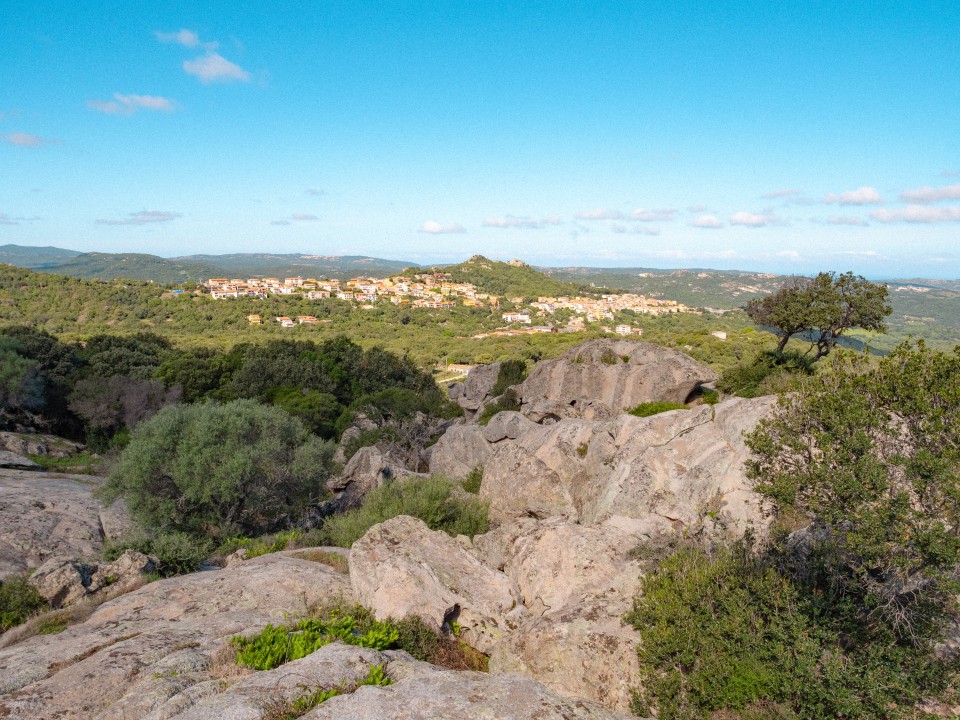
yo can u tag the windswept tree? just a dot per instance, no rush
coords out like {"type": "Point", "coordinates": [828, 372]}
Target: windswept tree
{"type": "Point", "coordinates": [825, 307]}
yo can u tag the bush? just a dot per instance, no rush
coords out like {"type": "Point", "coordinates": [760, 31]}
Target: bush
{"type": "Point", "coordinates": [275, 646]}
{"type": "Point", "coordinates": [512, 372]}
{"type": "Point", "coordinates": [507, 401]}
{"type": "Point", "coordinates": [433, 500]}
{"type": "Point", "coordinates": [654, 408]}
{"type": "Point", "coordinates": [216, 470]}
{"type": "Point", "coordinates": [471, 483]}
{"type": "Point", "coordinates": [177, 553]}
{"type": "Point", "coordinates": [768, 373]}
{"type": "Point", "coordinates": [18, 601]}
{"type": "Point", "coordinates": [729, 633]}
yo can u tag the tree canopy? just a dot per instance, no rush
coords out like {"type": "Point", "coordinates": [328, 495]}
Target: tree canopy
{"type": "Point", "coordinates": [825, 306]}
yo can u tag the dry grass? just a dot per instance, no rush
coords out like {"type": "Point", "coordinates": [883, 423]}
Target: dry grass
{"type": "Point", "coordinates": [51, 621]}
{"type": "Point", "coordinates": [224, 667]}
{"type": "Point", "coordinates": [333, 559]}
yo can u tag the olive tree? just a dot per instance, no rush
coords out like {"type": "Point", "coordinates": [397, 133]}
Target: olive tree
{"type": "Point", "coordinates": [870, 455]}
{"type": "Point", "coordinates": [220, 469]}
{"type": "Point", "coordinates": [825, 306]}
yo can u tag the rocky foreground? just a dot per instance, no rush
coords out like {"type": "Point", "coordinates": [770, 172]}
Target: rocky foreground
{"type": "Point", "coordinates": [580, 494]}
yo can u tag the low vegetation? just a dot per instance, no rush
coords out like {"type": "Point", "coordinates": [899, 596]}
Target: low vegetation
{"type": "Point", "coordinates": [441, 504]}
{"type": "Point", "coordinates": [280, 709]}
{"type": "Point", "coordinates": [176, 552]}
{"type": "Point", "coordinates": [18, 601]}
{"type": "Point", "coordinates": [654, 408]}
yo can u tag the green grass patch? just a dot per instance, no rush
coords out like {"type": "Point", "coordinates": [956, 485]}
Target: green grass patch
{"type": "Point", "coordinates": [471, 483]}
{"type": "Point", "coordinates": [654, 408]}
{"type": "Point", "coordinates": [277, 645]}
{"type": "Point", "coordinates": [436, 501]}
{"type": "Point", "coordinates": [83, 463]}
{"type": "Point", "coordinates": [507, 401]}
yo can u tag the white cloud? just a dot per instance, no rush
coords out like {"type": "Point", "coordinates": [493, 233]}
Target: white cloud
{"type": "Point", "coordinates": [918, 214]}
{"type": "Point", "coordinates": [552, 220]}
{"type": "Point", "coordinates": [6, 220]}
{"type": "Point", "coordinates": [187, 38]}
{"type": "Point", "coordinates": [696, 208]}
{"type": "Point", "coordinates": [751, 219]}
{"type": "Point", "coordinates": [280, 222]}
{"type": "Point", "coordinates": [658, 215]}
{"type": "Point", "coordinates": [711, 222]}
{"type": "Point", "coordinates": [847, 220]}
{"type": "Point", "coordinates": [314, 192]}
{"type": "Point", "coordinates": [129, 104]}
{"type": "Point", "coordinates": [304, 216]}
{"type": "Point", "coordinates": [790, 255]}
{"type": "Point", "coordinates": [213, 67]}
{"type": "Point", "coordinates": [782, 193]}
{"type": "Point", "coordinates": [635, 229]}
{"type": "Point", "coordinates": [22, 139]}
{"type": "Point", "coordinates": [435, 228]}
{"type": "Point", "coordinates": [144, 217]}
{"type": "Point", "coordinates": [861, 196]}
{"type": "Point", "coordinates": [511, 221]}
{"type": "Point", "coordinates": [600, 214]}
{"type": "Point", "coordinates": [928, 194]}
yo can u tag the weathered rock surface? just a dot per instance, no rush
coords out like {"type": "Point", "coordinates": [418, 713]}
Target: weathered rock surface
{"type": "Point", "coordinates": [160, 645]}
{"type": "Point", "coordinates": [14, 460]}
{"type": "Point", "coordinates": [367, 470]}
{"type": "Point", "coordinates": [459, 451]}
{"type": "Point", "coordinates": [63, 581]}
{"type": "Point", "coordinates": [48, 514]}
{"type": "Point", "coordinates": [38, 444]}
{"type": "Point", "coordinates": [476, 390]}
{"type": "Point", "coordinates": [431, 694]}
{"type": "Point", "coordinates": [601, 378]}
{"type": "Point", "coordinates": [401, 567]}
{"type": "Point", "coordinates": [676, 470]}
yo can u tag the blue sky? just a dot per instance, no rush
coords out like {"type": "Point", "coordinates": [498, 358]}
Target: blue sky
{"type": "Point", "coordinates": [790, 137]}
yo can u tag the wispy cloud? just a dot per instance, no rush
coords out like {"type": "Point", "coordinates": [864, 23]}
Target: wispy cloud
{"type": "Point", "coordinates": [861, 196]}
{"type": "Point", "coordinates": [187, 38]}
{"type": "Point", "coordinates": [634, 229]}
{"type": "Point", "coordinates": [918, 214]}
{"type": "Point", "coordinates": [130, 104]}
{"type": "Point", "coordinates": [697, 208]}
{"type": "Point", "coordinates": [214, 68]}
{"type": "Point", "coordinates": [749, 219]}
{"type": "Point", "coordinates": [304, 217]}
{"type": "Point", "coordinates": [314, 192]}
{"type": "Point", "coordinates": [658, 215]}
{"type": "Point", "coordinates": [950, 173]}
{"type": "Point", "coordinates": [22, 139]}
{"type": "Point", "coordinates": [847, 220]}
{"type": "Point", "coordinates": [928, 194]}
{"type": "Point", "coordinates": [782, 193]}
{"type": "Point", "coordinates": [6, 220]}
{"type": "Point", "coordinates": [510, 222]}
{"type": "Point", "coordinates": [710, 222]}
{"type": "Point", "coordinates": [280, 222]}
{"type": "Point", "coordinates": [435, 228]}
{"type": "Point", "coordinates": [600, 214]}
{"type": "Point", "coordinates": [144, 217]}
{"type": "Point", "coordinates": [790, 255]}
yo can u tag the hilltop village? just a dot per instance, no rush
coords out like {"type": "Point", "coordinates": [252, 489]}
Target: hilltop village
{"type": "Point", "coordinates": [439, 291]}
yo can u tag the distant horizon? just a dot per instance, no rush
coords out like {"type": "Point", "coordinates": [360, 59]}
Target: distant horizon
{"type": "Point", "coordinates": [790, 138]}
{"type": "Point", "coordinates": [504, 259]}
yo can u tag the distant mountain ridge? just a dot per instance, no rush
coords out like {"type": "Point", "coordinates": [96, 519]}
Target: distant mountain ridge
{"type": "Point", "coordinates": [193, 268]}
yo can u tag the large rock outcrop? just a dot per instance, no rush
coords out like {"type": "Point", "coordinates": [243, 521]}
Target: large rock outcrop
{"type": "Point", "coordinates": [401, 567]}
{"type": "Point", "coordinates": [476, 389]}
{"type": "Point", "coordinates": [601, 378]}
{"type": "Point", "coordinates": [367, 470]}
{"type": "Point", "coordinates": [43, 515]}
{"type": "Point", "coordinates": [159, 646]}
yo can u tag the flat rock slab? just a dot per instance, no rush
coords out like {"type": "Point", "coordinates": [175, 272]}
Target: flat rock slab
{"type": "Point", "coordinates": [14, 460]}
{"type": "Point", "coordinates": [47, 514]}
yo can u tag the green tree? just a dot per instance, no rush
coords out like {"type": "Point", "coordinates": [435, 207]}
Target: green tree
{"type": "Point", "coordinates": [871, 457]}
{"type": "Point", "coordinates": [219, 470]}
{"type": "Point", "coordinates": [825, 306]}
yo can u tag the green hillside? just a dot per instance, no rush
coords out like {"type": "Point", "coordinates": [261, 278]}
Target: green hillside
{"type": "Point", "coordinates": [133, 266]}
{"type": "Point", "coordinates": [343, 267]}
{"type": "Point", "coordinates": [35, 257]}
{"type": "Point", "coordinates": [508, 279]}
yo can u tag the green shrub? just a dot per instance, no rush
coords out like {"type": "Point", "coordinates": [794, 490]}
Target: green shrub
{"type": "Point", "coordinates": [654, 408]}
{"type": "Point", "coordinates": [507, 401]}
{"type": "Point", "coordinates": [177, 553]}
{"type": "Point", "coordinates": [215, 470]}
{"type": "Point", "coordinates": [434, 500]}
{"type": "Point", "coordinates": [18, 601]}
{"type": "Point", "coordinates": [275, 646]}
{"type": "Point", "coordinates": [471, 483]}
{"type": "Point", "coordinates": [768, 373]}
{"type": "Point", "coordinates": [512, 372]}
{"type": "Point", "coordinates": [609, 357]}
{"type": "Point", "coordinates": [287, 710]}
{"type": "Point", "coordinates": [727, 633]}
{"type": "Point", "coordinates": [263, 545]}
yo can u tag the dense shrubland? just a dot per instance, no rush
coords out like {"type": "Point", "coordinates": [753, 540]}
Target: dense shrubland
{"type": "Point", "coordinates": [841, 613]}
